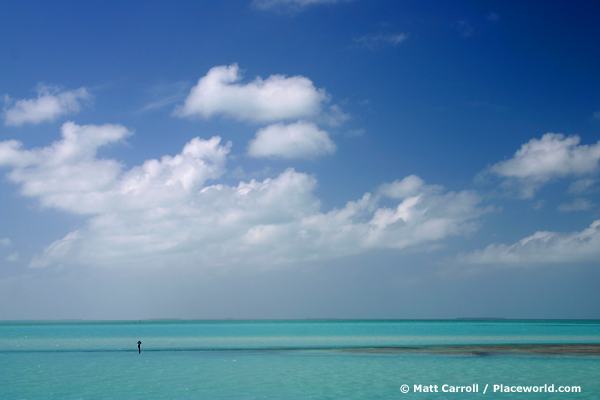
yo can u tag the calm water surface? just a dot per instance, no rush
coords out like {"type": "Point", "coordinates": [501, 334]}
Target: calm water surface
{"type": "Point", "coordinates": [285, 359]}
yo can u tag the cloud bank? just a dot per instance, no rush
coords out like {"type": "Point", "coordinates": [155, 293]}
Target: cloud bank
{"type": "Point", "coordinates": [274, 99]}
{"type": "Point", "coordinates": [48, 106]}
{"type": "Point", "coordinates": [542, 248]}
{"type": "Point", "coordinates": [165, 213]}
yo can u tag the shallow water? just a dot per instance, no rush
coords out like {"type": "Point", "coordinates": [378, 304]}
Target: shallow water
{"type": "Point", "coordinates": [285, 359]}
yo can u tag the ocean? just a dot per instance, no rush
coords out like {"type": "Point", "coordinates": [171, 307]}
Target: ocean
{"type": "Point", "coordinates": [301, 359]}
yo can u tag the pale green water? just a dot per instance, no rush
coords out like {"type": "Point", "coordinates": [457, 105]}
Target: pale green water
{"type": "Point", "coordinates": [283, 359]}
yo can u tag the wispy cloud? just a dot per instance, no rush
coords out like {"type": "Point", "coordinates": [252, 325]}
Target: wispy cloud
{"type": "Point", "coordinates": [166, 95]}
{"type": "Point", "coordinates": [356, 132]}
{"type": "Point", "coordinates": [292, 5]}
{"type": "Point", "coordinates": [493, 16]}
{"type": "Point", "coordinates": [583, 186]}
{"type": "Point", "coordinates": [14, 257]}
{"type": "Point", "coordinates": [465, 28]}
{"type": "Point", "coordinates": [378, 40]}
{"type": "Point", "coordinates": [576, 205]}
{"type": "Point", "coordinates": [333, 116]}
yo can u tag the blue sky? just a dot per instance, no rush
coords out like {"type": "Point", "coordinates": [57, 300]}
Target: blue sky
{"type": "Point", "coordinates": [299, 159]}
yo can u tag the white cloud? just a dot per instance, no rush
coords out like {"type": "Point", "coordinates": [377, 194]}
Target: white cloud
{"type": "Point", "coordinates": [49, 105]}
{"type": "Point", "coordinates": [276, 98]}
{"type": "Point", "coordinates": [597, 115]}
{"type": "Point", "coordinates": [423, 218]}
{"type": "Point", "coordinates": [576, 205]}
{"type": "Point", "coordinates": [163, 213]}
{"type": "Point", "coordinates": [541, 248]}
{"type": "Point", "coordinates": [5, 242]}
{"type": "Point", "coordinates": [541, 160]}
{"type": "Point", "coordinates": [68, 175]}
{"type": "Point", "coordinates": [297, 140]}
{"type": "Point", "coordinates": [408, 186]}
{"type": "Point", "coordinates": [374, 41]}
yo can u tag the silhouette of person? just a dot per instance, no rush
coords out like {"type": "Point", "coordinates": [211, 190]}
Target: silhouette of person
{"type": "Point", "coordinates": [139, 348]}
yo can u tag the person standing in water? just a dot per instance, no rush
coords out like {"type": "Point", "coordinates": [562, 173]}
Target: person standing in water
{"type": "Point", "coordinates": [139, 348]}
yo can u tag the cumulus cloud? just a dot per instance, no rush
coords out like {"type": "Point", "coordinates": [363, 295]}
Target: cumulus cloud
{"type": "Point", "coordinates": [5, 242]}
{"type": "Point", "coordinates": [276, 98]}
{"type": "Point", "coordinates": [541, 160]}
{"type": "Point", "coordinates": [542, 248]}
{"type": "Point", "coordinates": [166, 213]}
{"type": "Point", "coordinates": [374, 41]}
{"type": "Point", "coordinates": [297, 140]}
{"type": "Point", "coordinates": [68, 175]}
{"type": "Point", "coordinates": [48, 106]}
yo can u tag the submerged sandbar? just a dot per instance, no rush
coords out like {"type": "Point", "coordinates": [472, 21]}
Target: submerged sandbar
{"type": "Point", "coordinates": [591, 350]}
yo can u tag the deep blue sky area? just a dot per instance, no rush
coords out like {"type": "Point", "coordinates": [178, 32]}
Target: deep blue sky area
{"type": "Point", "coordinates": [299, 158]}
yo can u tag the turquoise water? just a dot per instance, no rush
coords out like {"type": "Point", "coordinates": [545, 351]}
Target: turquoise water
{"type": "Point", "coordinates": [285, 359]}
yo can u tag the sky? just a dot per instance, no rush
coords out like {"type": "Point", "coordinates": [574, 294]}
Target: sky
{"type": "Point", "coordinates": [299, 159]}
